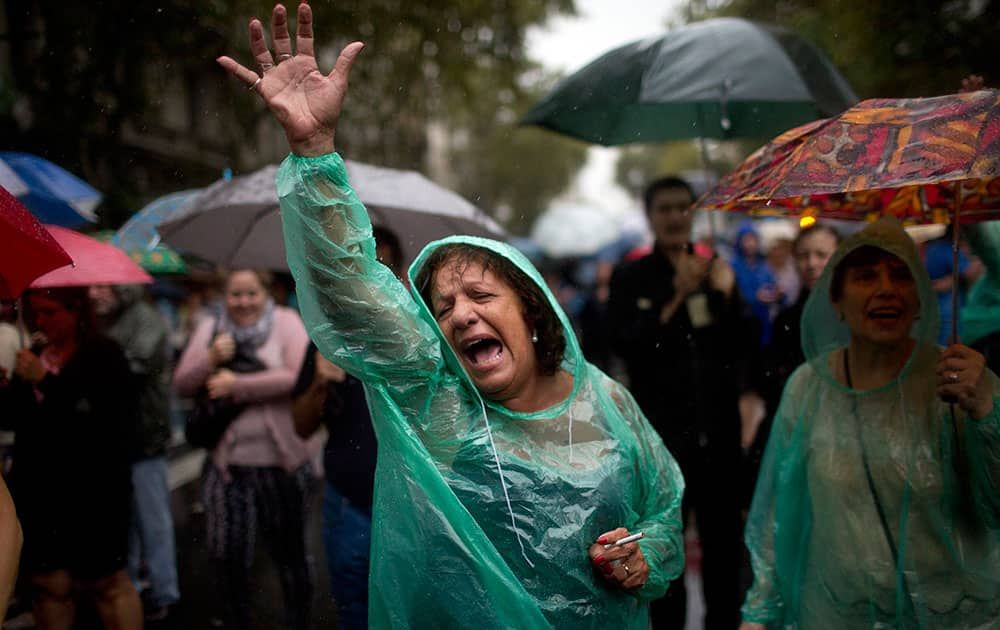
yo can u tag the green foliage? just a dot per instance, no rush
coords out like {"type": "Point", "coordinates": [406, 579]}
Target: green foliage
{"type": "Point", "coordinates": [127, 94]}
{"type": "Point", "coordinates": [889, 48]}
{"type": "Point", "coordinates": [513, 171]}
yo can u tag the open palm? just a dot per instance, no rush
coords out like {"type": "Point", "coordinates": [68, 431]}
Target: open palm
{"type": "Point", "coordinates": [306, 102]}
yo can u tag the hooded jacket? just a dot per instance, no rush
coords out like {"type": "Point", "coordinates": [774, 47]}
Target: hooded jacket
{"type": "Point", "coordinates": [752, 273]}
{"type": "Point", "coordinates": [482, 516]}
{"type": "Point", "coordinates": [821, 557]}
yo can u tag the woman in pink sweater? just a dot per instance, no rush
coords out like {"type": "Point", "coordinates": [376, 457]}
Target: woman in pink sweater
{"type": "Point", "coordinates": [258, 475]}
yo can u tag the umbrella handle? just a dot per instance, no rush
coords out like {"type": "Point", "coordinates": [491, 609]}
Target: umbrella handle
{"type": "Point", "coordinates": [954, 261]}
{"type": "Point", "coordinates": [957, 209]}
{"type": "Point", "coordinates": [20, 321]}
{"type": "Point", "coordinates": [724, 122]}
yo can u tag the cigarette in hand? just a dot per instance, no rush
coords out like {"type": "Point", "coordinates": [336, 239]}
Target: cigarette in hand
{"type": "Point", "coordinates": [626, 540]}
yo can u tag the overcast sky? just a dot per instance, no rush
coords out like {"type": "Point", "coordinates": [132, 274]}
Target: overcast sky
{"type": "Point", "coordinates": [567, 44]}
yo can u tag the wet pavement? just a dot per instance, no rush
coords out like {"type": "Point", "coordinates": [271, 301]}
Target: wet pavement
{"type": "Point", "coordinates": [200, 605]}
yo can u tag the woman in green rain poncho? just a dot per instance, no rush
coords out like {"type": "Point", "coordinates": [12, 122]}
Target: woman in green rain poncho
{"type": "Point", "coordinates": [504, 458]}
{"type": "Point", "coordinates": [878, 504]}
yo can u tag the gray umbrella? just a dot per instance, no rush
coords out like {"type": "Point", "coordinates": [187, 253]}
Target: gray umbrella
{"type": "Point", "coordinates": [236, 223]}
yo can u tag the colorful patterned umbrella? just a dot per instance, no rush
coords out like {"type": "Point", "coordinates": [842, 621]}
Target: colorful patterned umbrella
{"type": "Point", "coordinates": [923, 160]}
{"type": "Point", "coordinates": [159, 260]}
{"type": "Point", "coordinates": [155, 259]}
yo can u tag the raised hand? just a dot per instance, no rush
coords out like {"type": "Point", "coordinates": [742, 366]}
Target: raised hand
{"type": "Point", "coordinates": [306, 102]}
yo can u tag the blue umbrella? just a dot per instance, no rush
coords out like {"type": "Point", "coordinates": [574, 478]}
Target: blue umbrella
{"type": "Point", "coordinates": [139, 233]}
{"type": "Point", "coordinates": [11, 182]}
{"type": "Point", "coordinates": [54, 195]}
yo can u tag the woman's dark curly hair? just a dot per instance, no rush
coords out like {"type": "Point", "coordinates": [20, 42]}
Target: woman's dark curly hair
{"type": "Point", "coordinates": [538, 313]}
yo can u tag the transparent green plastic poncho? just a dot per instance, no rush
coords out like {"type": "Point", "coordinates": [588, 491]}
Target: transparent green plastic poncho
{"type": "Point", "coordinates": [445, 553]}
{"type": "Point", "coordinates": [819, 553]}
{"type": "Point", "coordinates": [981, 313]}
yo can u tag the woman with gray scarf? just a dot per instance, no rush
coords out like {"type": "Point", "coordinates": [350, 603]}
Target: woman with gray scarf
{"type": "Point", "coordinates": [257, 476]}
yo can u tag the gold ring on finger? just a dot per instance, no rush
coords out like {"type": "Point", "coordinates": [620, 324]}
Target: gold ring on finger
{"type": "Point", "coordinates": [627, 570]}
{"type": "Point", "coordinates": [953, 377]}
{"type": "Point", "coordinates": [284, 56]}
{"type": "Point", "coordinates": [253, 87]}
{"type": "Point", "coordinates": [265, 66]}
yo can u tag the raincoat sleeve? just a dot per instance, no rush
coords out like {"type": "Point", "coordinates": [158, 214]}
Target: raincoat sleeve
{"type": "Point", "coordinates": [982, 438]}
{"type": "Point", "coordinates": [356, 311]}
{"type": "Point", "coordinates": [659, 500]}
{"type": "Point", "coordinates": [764, 603]}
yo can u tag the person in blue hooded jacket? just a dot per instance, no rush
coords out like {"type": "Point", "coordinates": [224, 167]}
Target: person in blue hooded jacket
{"type": "Point", "coordinates": [507, 466]}
{"type": "Point", "coordinates": [754, 278]}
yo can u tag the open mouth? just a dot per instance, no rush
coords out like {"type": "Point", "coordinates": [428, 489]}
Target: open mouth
{"type": "Point", "coordinates": [483, 351]}
{"type": "Point", "coordinates": [885, 313]}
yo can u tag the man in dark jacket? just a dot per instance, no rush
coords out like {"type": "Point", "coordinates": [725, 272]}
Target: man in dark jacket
{"type": "Point", "coordinates": [141, 332]}
{"type": "Point", "coordinates": [687, 341]}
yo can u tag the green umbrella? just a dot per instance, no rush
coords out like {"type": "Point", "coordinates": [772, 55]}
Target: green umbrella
{"type": "Point", "coordinates": [156, 260]}
{"type": "Point", "coordinates": [159, 260]}
{"type": "Point", "coordinates": [721, 78]}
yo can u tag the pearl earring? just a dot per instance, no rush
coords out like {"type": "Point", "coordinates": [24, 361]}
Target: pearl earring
{"type": "Point", "coordinates": [534, 336]}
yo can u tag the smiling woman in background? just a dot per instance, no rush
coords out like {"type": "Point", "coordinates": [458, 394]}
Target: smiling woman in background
{"type": "Point", "coordinates": [256, 478]}
{"type": "Point", "coordinates": [877, 505]}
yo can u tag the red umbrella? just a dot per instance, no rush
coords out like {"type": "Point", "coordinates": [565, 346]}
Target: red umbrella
{"type": "Point", "coordinates": [28, 249]}
{"type": "Point", "coordinates": [924, 160]}
{"type": "Point", "coordinates": [96, 263]}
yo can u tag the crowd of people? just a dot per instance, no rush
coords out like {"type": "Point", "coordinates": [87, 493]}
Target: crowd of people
{"type": "Point", "coordinates": [502, 452]}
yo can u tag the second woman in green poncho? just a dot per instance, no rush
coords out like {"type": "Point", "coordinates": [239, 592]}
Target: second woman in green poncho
{"type": "Point", "coordinates": [504, 458]}
{"type": "Point", "coordinates": [878, 504]}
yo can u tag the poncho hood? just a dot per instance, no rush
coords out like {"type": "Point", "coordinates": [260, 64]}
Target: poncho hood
{"type": "Point", "coordinates": [823, 331]}
{"type": "Point", "coordinates": [573, 361]}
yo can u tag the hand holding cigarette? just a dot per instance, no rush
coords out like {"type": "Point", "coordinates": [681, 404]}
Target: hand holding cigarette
{"type": "Point", "coordinates": [616, 555]}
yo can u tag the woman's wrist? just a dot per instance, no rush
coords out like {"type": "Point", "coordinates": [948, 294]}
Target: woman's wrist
{"type": "Point", "coordinates": [316, 145]}
{"type": "Point", "coordinates": [983, 410]}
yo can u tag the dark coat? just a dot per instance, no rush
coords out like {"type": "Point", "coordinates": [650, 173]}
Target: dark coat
{"type": "Point", "coordinates": [686, 379]}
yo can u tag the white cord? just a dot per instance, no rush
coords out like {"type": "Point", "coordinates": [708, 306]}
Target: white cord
{"type": "Point", "coordinates": [503, 484]}
{"type": "Point", "coordinates": [571, 435]}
